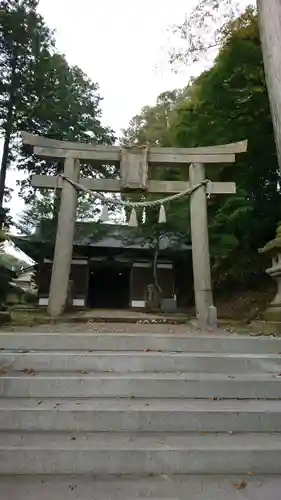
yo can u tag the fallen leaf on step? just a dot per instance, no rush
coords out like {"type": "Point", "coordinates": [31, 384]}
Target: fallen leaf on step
{"type": "Point", "coordinates": [85, 372]}
{"type": "Point", "coordinates": [29, 371]}
{"type": "Point", "coordinates": [240, 486]}
{"type": "Point", "coordinates": [251, 474]}
{"type": "Point", "coordinates": [2, 372]}
{"type": "Point", "coordinates": [40, 402]}
{"type": "Point", "coordinates": [73, 438]}
{"type": "Point", "coordinates": [147, 349]}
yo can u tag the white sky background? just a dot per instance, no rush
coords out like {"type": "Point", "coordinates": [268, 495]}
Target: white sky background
{"type": "Point", "coordinates": [122, 45]}
{"type": "Point", "coordinates": [118, 44]}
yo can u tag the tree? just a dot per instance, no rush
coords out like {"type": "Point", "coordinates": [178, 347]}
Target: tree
{"type": "Point", "coordinates": [42, 207]}
{"type": "Point", "coordinates": [24, 38]}
{"type": "Point", "coordinates": [152, 124]}
{"type": "Point", "coordinates": [230, 102]}
{"type": "Point", "coordinates": [70, 111]}
{"type": "Point", "coordinates": [204, 30]}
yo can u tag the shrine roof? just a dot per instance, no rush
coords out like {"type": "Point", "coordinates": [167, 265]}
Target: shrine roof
{"type": "Point", "coordinates": [107, 236]}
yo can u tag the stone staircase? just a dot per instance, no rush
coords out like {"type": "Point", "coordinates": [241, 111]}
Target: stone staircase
{"type": "Point", "coordinates": [141, 404]}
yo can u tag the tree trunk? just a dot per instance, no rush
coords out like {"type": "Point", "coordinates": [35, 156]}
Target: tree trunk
{"type": "Point", "coordinates": [8, 132]}
{"type": "Point", "coordinates": [4, 162]}
{"type": "Point", "coordinates": [270, 31]}
{"type": "Point", "coordinates": [155, 276]}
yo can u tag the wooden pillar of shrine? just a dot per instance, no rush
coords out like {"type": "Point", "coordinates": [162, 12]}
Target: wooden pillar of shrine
{"type": "Point", "coordinates": [64, 240]}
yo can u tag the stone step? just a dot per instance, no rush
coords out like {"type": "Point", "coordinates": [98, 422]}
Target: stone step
{"type": "Point", "coordinates": [141, 385]}
{"type": "Point", "coordinates": [139, 342]}
{"type": "Point", "coordinates": [135, 361]}
{"type": "Point", "coordinates": [126, 453]}
{"type": "Point", "coordinates": [198, 487]}
{"type": "Point", "coordinates": [139, 415]}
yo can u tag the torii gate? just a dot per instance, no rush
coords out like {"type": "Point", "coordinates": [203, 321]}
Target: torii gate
{"type": "Point", "coordinates": [134, 163]}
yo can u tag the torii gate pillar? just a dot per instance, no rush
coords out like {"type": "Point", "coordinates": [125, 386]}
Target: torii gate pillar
{"type": "Point", "coordinates": [64, 240]}
{"type": "Point", "coordinates": [200, 246]}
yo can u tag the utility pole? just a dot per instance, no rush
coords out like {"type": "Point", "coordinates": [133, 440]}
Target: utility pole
{"type": "Point", "coordinates": [269, 12]}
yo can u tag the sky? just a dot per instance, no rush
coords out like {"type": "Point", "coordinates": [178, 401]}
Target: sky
{"type": "Point", "coordinates": [122, 45]}
{"type": "Point", "coordinates": [119, 43]}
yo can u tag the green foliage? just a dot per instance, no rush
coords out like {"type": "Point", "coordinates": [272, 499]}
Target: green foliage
{"type": "Point", "coordinates": [70, 111]}
{"type": "Point", "coordinates": [231, 105]}
{"type": "Point", "coordinates": [152, 126]}
{"type": "Point", "coordinates": [42, 208]}
{"type": "Point", "coordinates": [24, 39]}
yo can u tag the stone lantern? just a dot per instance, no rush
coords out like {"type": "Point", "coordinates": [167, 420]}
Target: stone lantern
{"type": "Point", "coordinates": [273, 249]}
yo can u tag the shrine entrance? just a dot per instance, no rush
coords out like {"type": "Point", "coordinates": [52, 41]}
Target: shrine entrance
{"type": "Point", "coordinates": [134, 164]}
{"type": "Point", "coordinates": [109, 286]}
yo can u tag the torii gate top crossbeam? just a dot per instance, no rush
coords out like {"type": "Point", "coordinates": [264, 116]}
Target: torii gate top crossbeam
{"type": "Point", "coordinates": [52, 148]}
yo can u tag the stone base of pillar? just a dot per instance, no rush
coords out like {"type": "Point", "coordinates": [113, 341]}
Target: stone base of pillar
{"type": "Point", "coordinates": [259, 327]}
{"type": "Point", "coordinates": [272, 313]}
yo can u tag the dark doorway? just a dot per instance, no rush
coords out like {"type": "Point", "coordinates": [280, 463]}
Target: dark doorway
{"type": "Point", "coordinates": [109, 287]}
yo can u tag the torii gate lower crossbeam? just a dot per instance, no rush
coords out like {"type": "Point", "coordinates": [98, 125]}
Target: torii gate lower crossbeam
{"type": "Point", "coordinates": [134, 163]}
